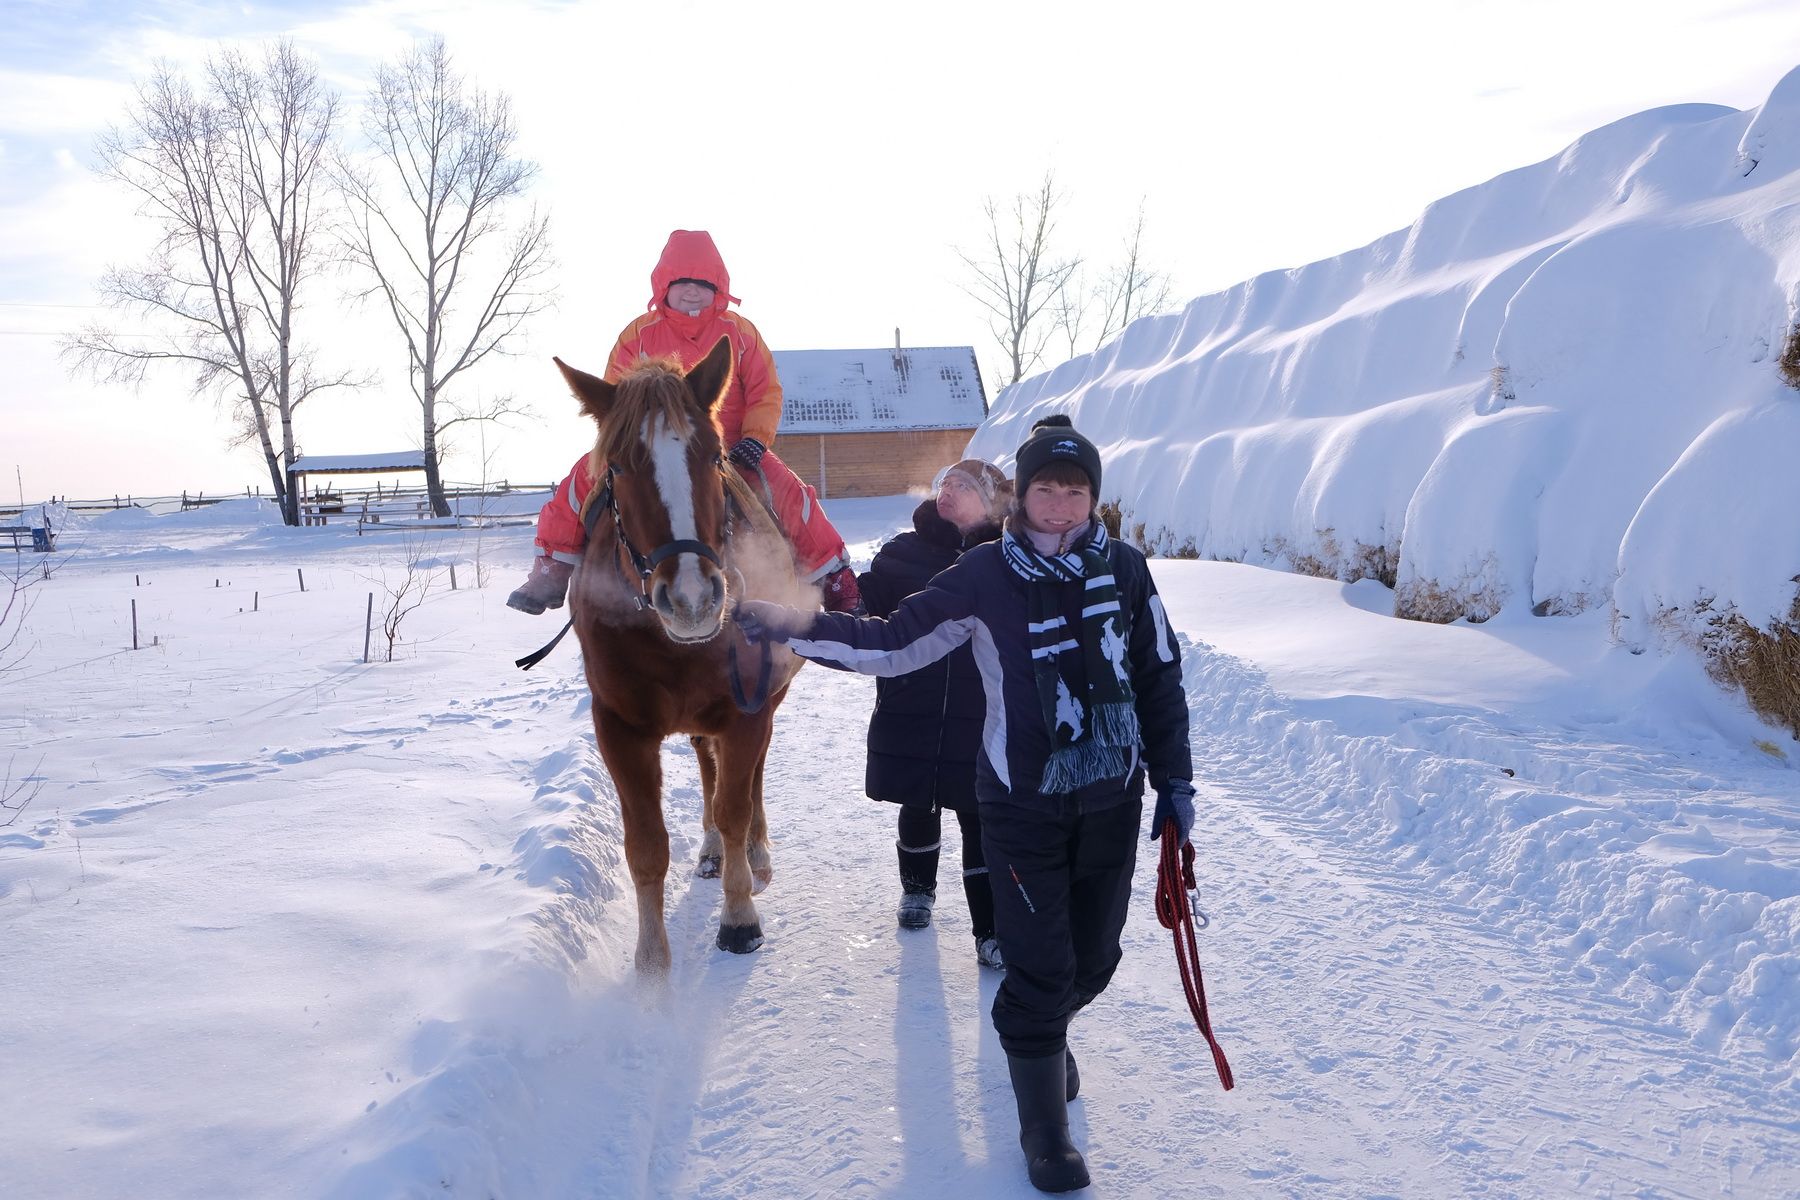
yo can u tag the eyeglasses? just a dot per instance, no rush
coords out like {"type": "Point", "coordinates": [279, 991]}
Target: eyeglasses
{"type": "Point", "coordinates": [950, 477]}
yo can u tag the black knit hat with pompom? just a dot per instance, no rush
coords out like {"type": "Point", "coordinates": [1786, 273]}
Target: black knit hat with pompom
{"type": "Point", "coordinates": [1054, 439]}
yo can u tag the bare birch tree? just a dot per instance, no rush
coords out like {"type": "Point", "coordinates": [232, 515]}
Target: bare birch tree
{"type": "Point", "coordinates": [230, 173]}
{"type": "Point", "coordinates": [1131, 289]}
{"type": "Point", "coordinates": [1017, 277]}
{"type": "Point", "coordinates": [432, 222]}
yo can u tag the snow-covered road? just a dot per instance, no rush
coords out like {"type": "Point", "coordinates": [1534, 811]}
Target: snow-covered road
{"type": "Point", "coordinates": [1498, 911]}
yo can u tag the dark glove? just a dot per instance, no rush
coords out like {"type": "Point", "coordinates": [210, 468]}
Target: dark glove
{"type": "Point", "coordinates": [1174, 802]}
{"type": "Point", "coordinates": [747, 453]}
{"type": "Point", "coordinates": [760, 621]}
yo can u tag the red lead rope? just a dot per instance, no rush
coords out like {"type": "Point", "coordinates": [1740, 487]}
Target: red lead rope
{"type": "Point", "coordinates": [1174, 879]}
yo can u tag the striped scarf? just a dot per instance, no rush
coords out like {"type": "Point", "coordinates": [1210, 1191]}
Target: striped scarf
{"type": "Point", "coordinates": [1083, 681]}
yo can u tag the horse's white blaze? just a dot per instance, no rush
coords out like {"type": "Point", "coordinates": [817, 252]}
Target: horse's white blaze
{"type": "Point", "coordinates": [669, 465]}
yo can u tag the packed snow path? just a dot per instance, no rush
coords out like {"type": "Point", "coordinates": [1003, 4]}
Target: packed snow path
{"type": "Point", "coordinates": [1388, 1041]}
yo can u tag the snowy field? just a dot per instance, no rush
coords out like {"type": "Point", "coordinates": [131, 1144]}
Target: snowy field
{"type": "Point", "coordinates": [1499, 910]}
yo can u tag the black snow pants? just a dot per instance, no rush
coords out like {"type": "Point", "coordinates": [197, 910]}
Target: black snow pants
{"type": "Point", "coordinates": [1061, 881]}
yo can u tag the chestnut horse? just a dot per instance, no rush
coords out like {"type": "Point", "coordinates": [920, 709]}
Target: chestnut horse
{"type": "Point", "coordinates": [651, 605]}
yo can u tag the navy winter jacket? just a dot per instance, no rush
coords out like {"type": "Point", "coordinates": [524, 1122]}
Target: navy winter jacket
{"type": "Point", "coordinates": [982, 602]}
{"type": "Point", "coordinates": [925, 733]}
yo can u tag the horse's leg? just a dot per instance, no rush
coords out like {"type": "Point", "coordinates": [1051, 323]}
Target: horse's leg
{"type": "Point", "coordinates": [708, 866]}
{"type": "Point", "coordinates": [762, 869]}
{"type": "Point", "coordinates": [635, 763]}
{"type": "Point", "coordinates": [741, 750]}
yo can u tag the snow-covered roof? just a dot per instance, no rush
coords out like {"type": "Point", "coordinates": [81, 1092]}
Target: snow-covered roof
{"type": "Point", "coordinates": [359, 464]}
{"type": "Point", "coordinates": [856, 391]}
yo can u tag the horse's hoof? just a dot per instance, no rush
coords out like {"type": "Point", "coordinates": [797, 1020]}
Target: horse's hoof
{"type": "Point", "coordinates": [740, 939]}
{"type": "Point", "coordinates": [708, 867]}
{"type": "Point", "coordinates": [760, 880]}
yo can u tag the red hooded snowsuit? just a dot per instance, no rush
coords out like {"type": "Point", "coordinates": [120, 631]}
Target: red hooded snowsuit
{"type": "Point", "coordinates": [752, 406]}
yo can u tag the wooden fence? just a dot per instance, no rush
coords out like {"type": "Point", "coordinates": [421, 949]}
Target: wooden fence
{"type": "Point", "coordinates": [347, 501]}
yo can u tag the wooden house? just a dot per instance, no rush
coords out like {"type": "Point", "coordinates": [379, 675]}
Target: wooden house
{"type": "Point", "coordinates": [877, 422]}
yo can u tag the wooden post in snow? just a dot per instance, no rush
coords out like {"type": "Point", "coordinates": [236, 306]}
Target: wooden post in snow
{"type": "Point", "coordinates": [368, 625]}
{"type": "Point", "coordinates": [302, 573]}
{"type": "Point", "coordinates": [134, 640]}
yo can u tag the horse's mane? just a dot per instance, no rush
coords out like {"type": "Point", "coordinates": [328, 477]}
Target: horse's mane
{"type": "Point", "coordinates": [654, 388]}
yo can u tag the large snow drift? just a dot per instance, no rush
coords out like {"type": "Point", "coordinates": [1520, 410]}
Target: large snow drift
{"type": "Point", "coordinates": [1556, 391]}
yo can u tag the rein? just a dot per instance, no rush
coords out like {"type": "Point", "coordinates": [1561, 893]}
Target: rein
{"type": "Point", "coordinates": [1180, 913]}
{"type": "Point", "coordinates": [607, 502]}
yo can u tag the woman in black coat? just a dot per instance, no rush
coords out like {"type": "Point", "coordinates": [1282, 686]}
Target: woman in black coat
{"type": "Point", "coordinates": [926, 728]}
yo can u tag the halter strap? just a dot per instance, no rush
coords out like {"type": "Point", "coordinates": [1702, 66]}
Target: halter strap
{"type": "Point", "coordinates": [607, 501]}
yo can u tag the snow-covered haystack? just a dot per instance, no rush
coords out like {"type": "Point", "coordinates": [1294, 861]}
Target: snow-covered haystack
{"type": "Point", "coordinates": [1560, 389]}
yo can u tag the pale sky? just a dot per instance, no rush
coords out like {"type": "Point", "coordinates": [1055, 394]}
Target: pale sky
{"type": "Point", "coordinates": [839, 153]}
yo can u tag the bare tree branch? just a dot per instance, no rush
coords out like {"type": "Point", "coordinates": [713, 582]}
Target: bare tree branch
{"type": "Point", "coordinates": [437, 184]}
{"type": "Point", "coordinates": [15, 794]}
{"type": "Point", "coordinates": [1016, 275]}
{"type": "Point", "coordinates": [1130, 290]}
{"type": "Point", "coordinates": [405, 594]}
{"type": "Point", "coordinates": [16, 579]}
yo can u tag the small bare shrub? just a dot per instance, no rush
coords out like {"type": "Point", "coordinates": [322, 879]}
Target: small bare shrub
{"type": "Point", "coordinates": [405, 593]}
{"type": "Point", "coordinates": [1322, 565]}
{"type": "Point", "coordinates": [1789, 362]}
{"type": "Point", "coordinates": [1111, 517]}
{"type": "Point", "coordinates": [15, 794]}
{"type": "Point", "coordinates": [1764, 663]}
{"type": "Point", "coordinates": [1380, 563]}
{"type": "Point", "coordinates": [1423, 600]}
{"type": "Point", "coordinates": [1568, 604]}
{"type": "Point", "coordinates": [1428, 600]}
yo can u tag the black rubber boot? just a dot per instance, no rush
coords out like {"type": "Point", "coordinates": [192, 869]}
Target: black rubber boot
{"type": "Point", "coordinates": [918, 885]}
{"type": "Point", "coordinates": [1052, 1160]}
{"type": "Point", "coordinates": [979, 892]}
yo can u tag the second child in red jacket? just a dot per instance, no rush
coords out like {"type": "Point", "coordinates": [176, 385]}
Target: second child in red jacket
{"type": "Point", "coordinates": [687, 315]}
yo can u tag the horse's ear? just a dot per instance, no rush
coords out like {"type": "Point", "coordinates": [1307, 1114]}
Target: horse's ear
{"type": "Point", "coordinates": [595, 394]}
{"type": "Point", "coordinates": [712, 376]}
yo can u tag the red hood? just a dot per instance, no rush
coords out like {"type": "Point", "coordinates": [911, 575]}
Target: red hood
{"type": "Point", "coordinates": [690, 254]}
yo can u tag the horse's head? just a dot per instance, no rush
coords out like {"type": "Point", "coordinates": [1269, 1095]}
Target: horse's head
{"type": "Point", "coordinates": [659, 449]}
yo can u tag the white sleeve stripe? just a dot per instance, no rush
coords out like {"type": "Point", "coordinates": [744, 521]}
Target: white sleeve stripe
{"type": "Point", "coordinates": [921, 651]}
{"type": "Point", "coordinates": [1109, 606]}
{"type": "Point", "coordinates": [1053, 651]}
{"type": "Point", "coordinates": [1046, 626]}
{"type": "Point", "coordinates": [993, 728]}
{"type": "Point", "coordinates": [1163, 650]}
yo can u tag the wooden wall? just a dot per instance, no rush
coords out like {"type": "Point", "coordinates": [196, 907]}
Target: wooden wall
{"type": "Point", "coordinates": [884, 463]}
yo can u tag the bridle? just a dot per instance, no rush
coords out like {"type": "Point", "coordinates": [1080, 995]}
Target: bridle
{"type": "Point", "coordinates": [605, 503]}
